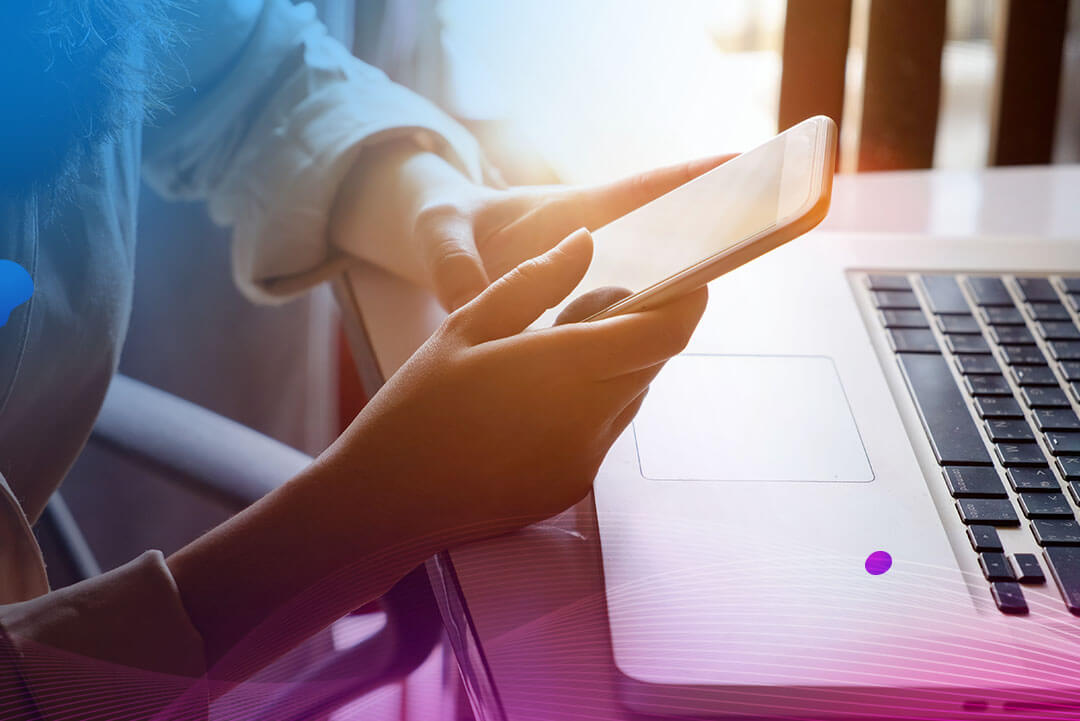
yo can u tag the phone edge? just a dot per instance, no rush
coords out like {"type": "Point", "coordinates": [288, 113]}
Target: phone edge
{"type": "Point", "coordinates": [688, 280]}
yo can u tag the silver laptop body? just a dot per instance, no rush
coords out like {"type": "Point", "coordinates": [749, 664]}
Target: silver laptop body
{"type": "Point", "coordinates": [745, 516]}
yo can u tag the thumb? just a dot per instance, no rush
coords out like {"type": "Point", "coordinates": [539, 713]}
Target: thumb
{"type": "Point", "coordinates": [518, 298]}
{"type": "Point", "coordinates": [456, 270]}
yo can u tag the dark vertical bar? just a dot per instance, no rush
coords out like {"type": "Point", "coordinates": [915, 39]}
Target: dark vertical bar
{"type": "Point", "coordinates": [814, 60]}
{"type": "Point", "coordinates": [902, 85]}
{"type": "Point", "coordinates": [1028, 81]}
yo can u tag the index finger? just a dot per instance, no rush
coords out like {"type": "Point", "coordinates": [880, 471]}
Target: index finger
{"type": "Point", "coordinates": [601, 204]}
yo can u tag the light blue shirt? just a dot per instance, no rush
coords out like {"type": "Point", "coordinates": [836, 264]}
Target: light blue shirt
{"type": "Point", "coordinates": [271, 115]}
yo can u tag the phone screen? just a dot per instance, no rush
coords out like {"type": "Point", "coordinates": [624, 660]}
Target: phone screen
{"type": "Point", "coordinates": [713, 213]}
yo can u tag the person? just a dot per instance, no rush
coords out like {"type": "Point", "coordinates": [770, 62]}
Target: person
{"type": "Point", "coordinates": [317, 162]}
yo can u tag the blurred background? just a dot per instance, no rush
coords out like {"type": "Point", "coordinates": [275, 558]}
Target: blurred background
{"type": "Point", "coordinates": [607, 87]}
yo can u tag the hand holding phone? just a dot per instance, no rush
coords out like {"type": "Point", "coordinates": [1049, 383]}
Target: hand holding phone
{"type": "Point", "coordinates": [736, 212]}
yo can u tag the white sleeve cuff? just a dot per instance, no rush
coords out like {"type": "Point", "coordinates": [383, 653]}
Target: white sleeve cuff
{"type": "Point", "coordinates": [268, 136]}
{"type": "Point", "coordinates": [280, 240]}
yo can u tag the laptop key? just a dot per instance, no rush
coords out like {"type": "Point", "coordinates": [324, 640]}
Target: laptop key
{"type": "Point", "coordinates": [1020, 454]}
{"type": "Point", "coordinates": [943, 410]}
{"type": "Point", "coordinates": [989, 290]}
{"type": "Point", "coordinates": [1008, 597]}
{"type": "Point", "coordinates": [988, 511]}
{"type": "Point", "coordinates": [1064, 566]}
{"type": "Point", "coordinates": [1047, 311]}
{"type": "Point", "coordinates": [976, 364]}
{"type": "Point", "coordinates": [910, 340]}
{"type": "Point", "coordinates": [1001, 316]}
{"type": "Point", "coordinates": [1057, 330]}
{"type": "Point", "coordinates": [959, 324]}
{"type": "Point", "coordinates": [984, 538]}
{"type": "Point", "coordinates": [1065, 349]}
{"type": "Point", "coordinates": [1056, 532]}
{"type": "Point", "coordinates": [1074, 491]}
{"type": "Point", "coordinates": [1033, 479]}
{"type": "Point", "coordinates": [1056, 419]}
{"type": "Point", "coordinates": [1069, 467]}
{"type": "Point", "coordinates": [998, 407]}
{"type": "Point", "coordinates": [1014, 334]}
{"type": "Point", "coordinates": [1045, 505]}
{"type": "Point", "coordinates": [987, 385]}
{"type": "Point", "coordinates": [979, 481]}
{"type": "Point", "coordinates": [1063, 443]}
{"type": "Point", "coordinates": [881, 281]}
{"type": "Point", "coordinates": [1028, 569]}
{"type": "Point", "coordinates": [944, 294]}
{"type": "Point", "coordinates": [1023, 355]}
{"type": "Point", "coordinates": [1003, 429]}
{"type": "Point", "coordinates": [1071, 285]}
{"type": "Point", "coordinates": [903, 319]}
{"type": "Point", "coordinates": [895, 300]}
{"type": "Point", "coordinates": [967, 344]}
{"type": "Point", "coordinates": [1071, 370]}
{"type": "Point", "coordinates": [1044, 397]}
{"type": "Point", "coordinates": [1037, 290]}
{"type": "Point", "coordinates": [995, 567]}
{"type": "Point", "coordinates": [1033, 376]}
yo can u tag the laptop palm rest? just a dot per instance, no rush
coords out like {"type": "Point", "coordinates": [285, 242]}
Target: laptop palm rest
{"type": "Point", "coordinates": [749, 418]}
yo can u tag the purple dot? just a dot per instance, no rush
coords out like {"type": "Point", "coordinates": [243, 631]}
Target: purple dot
{"type": "Point", "coordinates": [878, 563]}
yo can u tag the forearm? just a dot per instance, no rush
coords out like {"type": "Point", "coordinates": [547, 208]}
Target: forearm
{"type": "Point", "coordinates": [330, 540]}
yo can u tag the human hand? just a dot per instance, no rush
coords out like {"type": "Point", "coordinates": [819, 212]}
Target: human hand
{"type": "Point", "coordinates": [468, 240]}
{"type": "Point", "coordinates": [486, 428]}
{"type": "Point", "coordinates": [415, 215]}
{"type": "Point", "coordinates": [590, 303]}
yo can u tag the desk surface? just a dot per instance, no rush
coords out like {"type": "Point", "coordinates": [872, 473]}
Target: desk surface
{"type": "Point", "coordinates": [531, 638]}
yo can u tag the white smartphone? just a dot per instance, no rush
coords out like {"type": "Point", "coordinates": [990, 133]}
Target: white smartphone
{"type": "Point", "coordinates": [713, 224]}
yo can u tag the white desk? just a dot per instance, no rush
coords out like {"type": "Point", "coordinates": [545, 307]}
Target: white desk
{"type": "Point", "coordinates": [526, 612]}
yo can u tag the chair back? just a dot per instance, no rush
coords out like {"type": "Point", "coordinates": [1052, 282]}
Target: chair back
{"type": "Point", "coordinates": [901, 89]}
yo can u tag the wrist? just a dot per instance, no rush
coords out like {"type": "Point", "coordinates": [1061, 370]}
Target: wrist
{"type": "Point", "coordinates": [376, 510]}
{"type": "Point", "coordinates": [412, 506]}
{"type": "Point", "coordinates": [374, 213]}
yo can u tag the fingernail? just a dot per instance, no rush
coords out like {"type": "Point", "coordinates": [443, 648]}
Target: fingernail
{"type": "Point", "coordinates": [576, 238]}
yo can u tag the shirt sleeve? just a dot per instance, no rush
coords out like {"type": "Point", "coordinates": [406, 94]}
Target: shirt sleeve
{"type": "Point", "coordinates": [119, 645]}
{"type": "Point", "coordinates": [272, 114]}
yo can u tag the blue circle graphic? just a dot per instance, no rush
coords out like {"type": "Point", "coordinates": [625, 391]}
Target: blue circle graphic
{"type": "Point", "coordinates": [16, 287]}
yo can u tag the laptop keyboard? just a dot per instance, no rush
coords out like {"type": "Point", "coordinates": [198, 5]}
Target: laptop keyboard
{"type": "Point", "coordinates": [993, 365]}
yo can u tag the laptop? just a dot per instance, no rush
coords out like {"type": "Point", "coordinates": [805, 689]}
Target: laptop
{"type": "Point", "coordinates": [856, 493]}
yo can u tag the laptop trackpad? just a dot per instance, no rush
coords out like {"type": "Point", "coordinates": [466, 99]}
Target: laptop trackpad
{"type": "Point", "coordinates": [749, 418]}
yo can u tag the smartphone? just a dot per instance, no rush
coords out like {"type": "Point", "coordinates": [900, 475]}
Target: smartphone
{"type": "Point", "coordinates": [713, 224]}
